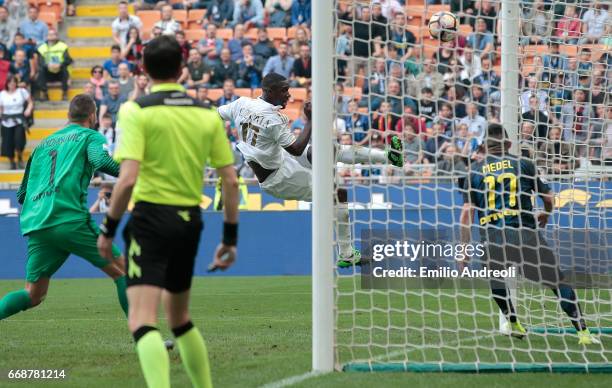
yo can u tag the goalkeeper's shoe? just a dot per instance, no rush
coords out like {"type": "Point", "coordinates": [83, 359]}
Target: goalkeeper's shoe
{"type": "Point", "coordinates": [517, 330]}
{"type": "Point", "coordinates": [353, 259]}
{"type": "Point", "coordinates": [395, 154]}
{"type": "Point", "coordinates": [586, 338]}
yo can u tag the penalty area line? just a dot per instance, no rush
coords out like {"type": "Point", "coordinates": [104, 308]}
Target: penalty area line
{"type": "Point", "coordinates": [288, 381]}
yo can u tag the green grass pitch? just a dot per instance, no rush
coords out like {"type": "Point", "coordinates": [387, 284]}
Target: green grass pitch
{"type": "Point", "coordinates": [257, 330]}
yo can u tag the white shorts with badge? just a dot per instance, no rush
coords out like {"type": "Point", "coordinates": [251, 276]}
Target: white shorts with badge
{"type": "Point", "coordinates": [291, 181]}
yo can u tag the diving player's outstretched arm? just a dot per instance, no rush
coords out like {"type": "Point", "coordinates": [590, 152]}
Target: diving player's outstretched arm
{"type": "Point", "coordinates": [299, 145]}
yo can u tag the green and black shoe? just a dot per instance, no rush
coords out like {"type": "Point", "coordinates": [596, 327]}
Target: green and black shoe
{"type": "Point", "coordinates": [394, 153]}
{"type": "Point", "coordinates": [354, 259]}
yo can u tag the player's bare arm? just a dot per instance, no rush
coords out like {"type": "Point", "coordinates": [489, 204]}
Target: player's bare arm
{"type": "Point", "coordinates": [300, 144]}
{"type": "Point", "coordinates": [225, 254]}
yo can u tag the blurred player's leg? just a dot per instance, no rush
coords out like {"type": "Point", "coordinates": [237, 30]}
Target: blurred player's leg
{"type": "Point", "coordinates": [190, 342]}
{"type": "Point", "coordinates": [154, 359]}
{"type": "Point", "coordinates": [357, 154]}
{"type": "Point", "coordinates": [21, 300]}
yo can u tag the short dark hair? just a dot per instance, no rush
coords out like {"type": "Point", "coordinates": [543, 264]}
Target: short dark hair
{"type": "Point", "coordinates": [272, 80]}
{"type": "Point", "coordinates": [11, 78]}
{"type": "Point", "coordinates": [163, 57]}
{"type": "Point", "coordinates": [496, 131]}
{"type": "Point", "coordinates": [115, 47]}
{"type": "Point", "coordinates": [107, 115]}
{"type": "Point", "coordinates": [81, 107]}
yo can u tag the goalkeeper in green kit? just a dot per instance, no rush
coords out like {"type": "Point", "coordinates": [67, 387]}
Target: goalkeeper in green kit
{"type": "Point", "coordinates": [55, 216]}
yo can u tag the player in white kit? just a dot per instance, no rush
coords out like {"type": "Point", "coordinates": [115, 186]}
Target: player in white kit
{"type": "Point", "coordinates": [281, 162]}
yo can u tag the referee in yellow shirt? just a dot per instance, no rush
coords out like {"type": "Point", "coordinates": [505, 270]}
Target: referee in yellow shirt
{"type": "Point", "coordinates": [165, 141]}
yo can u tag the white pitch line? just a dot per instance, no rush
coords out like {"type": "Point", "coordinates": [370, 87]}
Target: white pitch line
{"type": "Point", "coordinates": [288, 381]}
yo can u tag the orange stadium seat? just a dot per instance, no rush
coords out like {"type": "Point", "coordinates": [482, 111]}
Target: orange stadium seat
{"type": "Point", "coordinates": [56, 6]}
{"type": "Point", "coordinates": [293, 114]}
{"type": "Point", "coordinates": [571, 50]}
{"type": "Point", "coordinates": [148, 18]}
{"type": "Point", "coordinates": [180, 15]}
{"type": "Point", "coordinates": [243, 92]}
{"type": "Point", "coordinates": [465, 29]}
{"type": "Point", "coordinates": [420, 3]}
{"type": "Point", "coordinates": [416, 30]}
{"type": "Point", "coordinates": [215, 94]}
{"type": "Point", "coordinates": [192, 93]}
{"type": "Point", "coordinates": [251, 34]}
{"type": "Point", "coordinates": [298, 94]}
{"type": "Point", "coordinates": [294, 105]}
{"type": "Point", "coordinates": [414, 20]}
{"type": "Point", "coordinates": [195, 35]}
{"type": "Point", "coordinates": [194, 18]}
{"type": "Point", "coordinates": [50, 18]}
{"type": "Point", "coordinates": [225, 33]}
{"type": "Point", "coordinates": [354, 93]}
{"type": "Point", "coordinates": [276, 33]}
{"type": "Point", "coordinates": [291, 32]}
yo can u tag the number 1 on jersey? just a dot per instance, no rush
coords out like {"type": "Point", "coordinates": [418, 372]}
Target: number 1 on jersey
{"type": "Point", "coordinates": [490, 180]}
{"type": "Point", "coordinates": [53, 155]}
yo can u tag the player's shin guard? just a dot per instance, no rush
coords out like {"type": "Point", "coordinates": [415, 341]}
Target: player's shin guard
{"type": "Point", "coordinates": [570, 305]}
{"type": "Point", "coordinates": [194, 355]}
{"type": "Point", "coordinates": [345, 247]}
{"type": "Point", "coordinates": [14, 302]}
{"type": "Point", "coordinates": [153, 356]}
{"type": "Point", "coordinates": [356, 154]}
{"type": "Point", "coordinates": [120, 283]}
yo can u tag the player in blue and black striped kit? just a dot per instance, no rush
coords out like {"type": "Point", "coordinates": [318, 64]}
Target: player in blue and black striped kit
{"type": "Point", "coordinates": [500, 189]}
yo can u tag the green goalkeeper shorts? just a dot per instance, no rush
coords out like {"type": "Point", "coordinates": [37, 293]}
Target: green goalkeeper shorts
{"type": "Point", "coordinates": [49, 248]}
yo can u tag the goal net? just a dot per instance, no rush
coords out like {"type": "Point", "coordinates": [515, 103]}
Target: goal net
{"type": "Point", "coordinates": [543, 70]}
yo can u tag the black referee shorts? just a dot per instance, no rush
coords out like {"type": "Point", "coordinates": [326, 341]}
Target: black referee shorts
{"type": "Point", "coordinates": [161, 245]}
{"type": "Point", "coordinates": [525, 249]}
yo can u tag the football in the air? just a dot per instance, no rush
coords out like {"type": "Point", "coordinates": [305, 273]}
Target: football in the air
{"type": "Point", "coordinates": [443, 26]}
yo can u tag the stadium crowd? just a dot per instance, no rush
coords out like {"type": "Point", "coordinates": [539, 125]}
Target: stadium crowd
{"type": "Point", "coordinates": [391, 77]}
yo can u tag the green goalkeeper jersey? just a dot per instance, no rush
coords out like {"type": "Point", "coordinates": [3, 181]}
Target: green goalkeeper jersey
{"type": "Point", "coordinates": [54, 186]}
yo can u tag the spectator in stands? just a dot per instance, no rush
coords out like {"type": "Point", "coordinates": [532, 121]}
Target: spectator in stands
{"type": "Point", "coordinates": [235, 44]}
{"type": "Point", "coordinates": [356, 123]}
{"type": "Point", "coordinates": [445, 56]}
{"type": "Point", "coordinates": [54, 62]}
{"type": "Point", "coordinates": [465, 141]}
{"type": "Point", "coordinates": [167, 24]}
{"type": "Point", "coordinates": [427, 105]}
{"type": "Point", "coordinates": [20, 68]}
{"type": "Point", "coordinates": [537, 24]}
{"type": "Point", "coordinates": [594, 22]}
{"type": "Point", "coordinates": [341, 100]}
{"type": "Point", "coordinates": [434, 143]}
{"type": "Point", "coordinates": [301, 38]}
{"type": "Point", "coordinates": [17, 10]}
{"type": "Point", "coordinates": [15, 107]}
{"type": "Point", "coordinates": [471, 64]}
{"type": "Point", "coordinates": [538, 117]}
{"type": "Point", "coordinates": [568, 27]}
{"type": "Point", "coordinates": [225, 69]}
{"type": "Point", "coordinates": [199, 72]}
{"type": "Point", "coordinates": [108, 130]}
{"type": "Point", "coordinates": [279, 12]}
{"type": "Point", "coordinates": [478, 96]}
{"type": "Point", "coordinates": [464, 9]}
{"type": "Point", "coordinates": [282, 63]}
{"type": "Point", "coordinates": [445, 117]}
{"type": "Point", "coordinates": [385, 120]}
{"type": "Point", "coordinates": [210, 47]}
{"type": "Point", "coordinates": [481, 40]}
{"type": "Point", "coordinates": [533, 90]}
{"type": "Point", "coordinates": [402, 38]}
{"type": "Point", "coordinates": [155, 32]}
{"type": "Point", "coordinates": [596, 132]}
{"type": "Point", "coordinates": [5, 67]}
{"type": "Point", "coordinates": [228, 93]}
{"type": "Point", "coordinates": [90, 90]}
{"type": "Point", "coordinates": [488, 79]}
{"type": "Point", "coordinates": [413, 148]}
{"type": "Point", "coordinates": [184, 44]}
{"type": "Point", "coordinates": [475, 122]}
{"type": "Point", "coordinates": [35, 31]}
{"type": "Point", "coordinates": [112, 101]}
{"type": "Point", "coordinates": [250, 69]}
{"type": "Point", "coordinates": [220, 12]}
{"type": "Point", "coordinates": [585, 63]}
{"type": "Point", "coordinates": [302, 68]}
{"type": "Point", "coordinates": [429, 78]}
{"type": "Point", "coordinates": [123, 24]}
{"type": "Point", "coordinates": [377, 85]}
{"type": "Point", "coordinates": [141, 88]}
{"type": "Point", "coordinates": [7, 28]}
{"type": "Point", "coordinates": [388, 8]}
{"type": "Point", "coordinates": [454, 97]}
{"type": "Point", "coordinates": [248, 12]}
{"type": "Point", "coordinates": [555, 155]}
{"type": "Point", "coordinates": [264, 47]}
{"type": "Point", "coordinates": [99, 82]}
{"type": "Point", "coordinates": [300, 12]}
{"type": "Point", "coordinates": [558, 94]}
{"type": "Point", "coordinates": [451, 160]}
{"type": "Point", "coordinates": [575, 116]}
{"type": "Point", "coordinates": [485, 10]}
{"type": "Point", "coordinates": [20, 43]}
{"type": "Point", "coordinates": [553, 60]}
{"type": "Point", "coordinates": [132, 50]}
{"type": "Point", "coordinates": [126, 81]}
{"type": "Point", "coordinates": [527, 143]}
{"type": "Point", "coordinates": [111, 66]}
{"type": "Point", "coordinates": [202, 95]}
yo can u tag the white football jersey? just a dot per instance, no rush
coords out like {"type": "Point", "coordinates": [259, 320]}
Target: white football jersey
{"type": "Point", "coordinates": [263, 131]}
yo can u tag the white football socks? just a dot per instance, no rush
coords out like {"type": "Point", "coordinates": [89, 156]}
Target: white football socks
{"type": "Point", "coordinates": [343, 231]}
{"type": "Point", "coordinates": [357, 154]}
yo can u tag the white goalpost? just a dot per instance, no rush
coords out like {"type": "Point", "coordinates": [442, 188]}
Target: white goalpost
{"type": "Point", "coordinates": [361, 323]}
